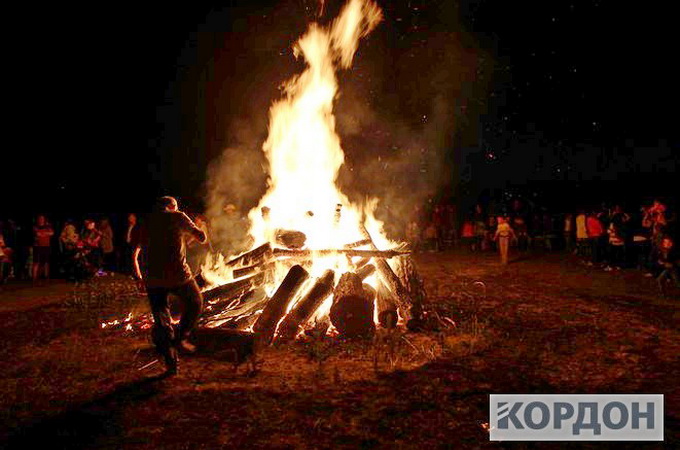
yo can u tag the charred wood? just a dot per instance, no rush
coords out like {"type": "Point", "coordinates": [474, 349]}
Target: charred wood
{"type": "Point", "coordinates": [361, 263]}
{"type": "Point", "coordinates": [260, 267]}
{"type": "Point", "coordinates": [249, 303]}
{"type": "Point", "coordinates": [243, 271]}
{"type": "Point", "coordinates": [276, 306]}
{"type": "Point", "coordinates": [305, 307]}
{"type": "Point", "coordinates": [366, 271]}
{"type": "Point", "coordinates": [259, 254]}
{"type": "Point", "coordinates": [291, 238]}
{"type": "Point", "coordinates": [390, 279]}
{"type": "Point", "coordinates": [387, 310]}
{"type": "Point", "coordinates": [232, 290]}
{"type": "Point", "coordinates": [352, 310]}
{"type": "Point", "coordinates": [360, 243]}
{"type": "Point", "coordinates": [415, 286]}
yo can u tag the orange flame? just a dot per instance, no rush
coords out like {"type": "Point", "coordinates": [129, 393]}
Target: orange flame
{"type": "Point", "coordinates": [305, 154]}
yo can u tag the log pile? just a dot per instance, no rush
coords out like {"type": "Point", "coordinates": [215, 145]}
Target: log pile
{"type": "Point", "coordinates": [244, 303]}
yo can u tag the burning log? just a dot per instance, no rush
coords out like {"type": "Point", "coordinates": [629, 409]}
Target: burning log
{"type": "Point", "coordinates": [276, 306]}
{"type": "Point", "coordinates": [382, 254]}
{"type": "Point", "coordinates": [250, 302]}
{"type": "Point", "coordinates": [235, 346]}
{"type": "Point", "coordinates": [352, 310]}
{"type": "Point", "coordinates": [416, 288]}
{"type": "Point", "coordinates": [365, 271]}
{"type": "Point", "coordinates": [360, 243]}
{"type": "Point", "coordinates": [291, 238]}
{"type": "Point", "coordinates": [231, 290]}
{"type": "Point", "coordinates": [259, 254]}
{"type": "Point", "coordinates": [243, 271]}
{"type": "Point", "coordinates": [361, 263]}
{"type": "Point", "coordinates": [389, 277]}
{"type": "Point", "coordinates": [387, 310]}
{"type": "Point", "coordinates": [304, 308]}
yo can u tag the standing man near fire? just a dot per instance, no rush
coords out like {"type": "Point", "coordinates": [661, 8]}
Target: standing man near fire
{"type": "Point", "coordinates": [169, 273]}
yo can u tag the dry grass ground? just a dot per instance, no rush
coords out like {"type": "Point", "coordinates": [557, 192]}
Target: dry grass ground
{"type": "Point", "coordinates": [543, 324]}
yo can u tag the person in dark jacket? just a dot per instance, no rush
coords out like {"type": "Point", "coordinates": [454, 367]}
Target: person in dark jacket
{"type": "Point", "coordinates": [169, 273]}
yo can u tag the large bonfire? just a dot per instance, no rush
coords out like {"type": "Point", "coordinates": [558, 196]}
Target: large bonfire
{"type": "Point", "coordinates": [318, 260]}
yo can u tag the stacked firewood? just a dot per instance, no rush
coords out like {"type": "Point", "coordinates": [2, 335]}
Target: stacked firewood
{"type": "Point", "coordinates": [244, 303]}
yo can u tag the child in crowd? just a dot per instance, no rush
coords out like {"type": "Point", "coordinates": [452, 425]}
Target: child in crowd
{"type": "Point", "coordinates": [504, 233]}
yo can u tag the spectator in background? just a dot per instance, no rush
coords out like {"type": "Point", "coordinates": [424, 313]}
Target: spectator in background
{"type": "Point", "coordinates": [623, 243]}
{"type": "Point", "coordinates": [595, 236]}
{"type": "Point", "coordinates": [106, 244]}
{"type": "Point", "coordinates": [68, 247]}
{"type": "Point", "coordinates": [491, 233]}
{"type": "Point", "coordinates": [479, 227]}
{"type": "Point", "coordinates": [654, 215]}
{"type": "Point", "coordinates": [430, 237]}
{"type": "Point", "coordinates": [5, 260]}
{"type": "Point", "coordinates": [616, 249]}
{"type": "Point", "coordinates": [467, 234]}
{"type": "Point", "coordinates": [439, 221]}
{"type": "Point", "coordinates": [451, 234]}
{"type": "Point", "coordinates": [568, 232]}
{"type": "Point", "coordinates": [130, 238]}
{"type": "Point", "coordinates": [519, 225]}
{"type": "Point", "coordinates": [504, 233]}
{"type": "Point", "coordinates": [42, 240]}
{"type": "Point", "coordinates": [668, 264]}
{"type": "Point", "coordinates": [413, 234]}
{"type": "Point", "coordinates": [68, 238]}
{"type": "Point", "coordinates": [581, 234]}
{"type": "Point", "coordinates": [91, 238]}
{"type": "Point", "coordinates": [549, 234]}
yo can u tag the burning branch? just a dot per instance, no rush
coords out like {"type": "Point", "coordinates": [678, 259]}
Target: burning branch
{"type": "Point", "coordinates": [378, 254]}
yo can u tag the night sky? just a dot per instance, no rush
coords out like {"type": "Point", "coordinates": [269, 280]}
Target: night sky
{"type": "Point", "coordinates": [108, 106]}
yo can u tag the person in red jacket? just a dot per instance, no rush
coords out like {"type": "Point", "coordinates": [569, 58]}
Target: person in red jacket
{"type": "Point", "coordinates": [468, 234]}
{"type": "Point", "coordinates": [595, 236]}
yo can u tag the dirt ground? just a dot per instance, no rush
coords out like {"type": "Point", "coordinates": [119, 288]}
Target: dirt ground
{"type": "Point", "coordinates": [543, 324]}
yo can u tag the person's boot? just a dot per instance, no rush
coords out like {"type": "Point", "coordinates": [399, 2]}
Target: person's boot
{"type": "Point", "coordinates": [182, 342]}
{"type": "Point", "coordinates": [171, 359]}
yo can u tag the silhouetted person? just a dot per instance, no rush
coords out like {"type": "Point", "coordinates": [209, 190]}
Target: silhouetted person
{"type": "Point", "coordinates": [91, 238]}
{"type": "Point", "coordinates": [130, 237]}
{"type": "Point", "coordinates": [169, 273]}
{"type": "Point", "coordinates": [106, 245]}
{"type": "Point", "coordinates": [42, 237]}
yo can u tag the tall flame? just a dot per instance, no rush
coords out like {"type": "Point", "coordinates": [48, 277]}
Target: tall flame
{"type": "Point", "coordinates": [305, 156]}
{"type": "Point", "coordinates": [302, 148]}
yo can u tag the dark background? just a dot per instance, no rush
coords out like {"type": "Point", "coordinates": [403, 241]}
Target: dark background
{"type": "Point", "coordinates": [565, 102]}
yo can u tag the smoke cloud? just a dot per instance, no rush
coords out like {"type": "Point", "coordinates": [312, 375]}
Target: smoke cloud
{"type": "Point", "coordinates": [402, 109]}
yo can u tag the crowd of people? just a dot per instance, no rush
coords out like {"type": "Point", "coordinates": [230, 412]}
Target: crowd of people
{"type": "Point", "coordinates": [76, 250]}
{"type": "Point", "coordinates": [607, 236]}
